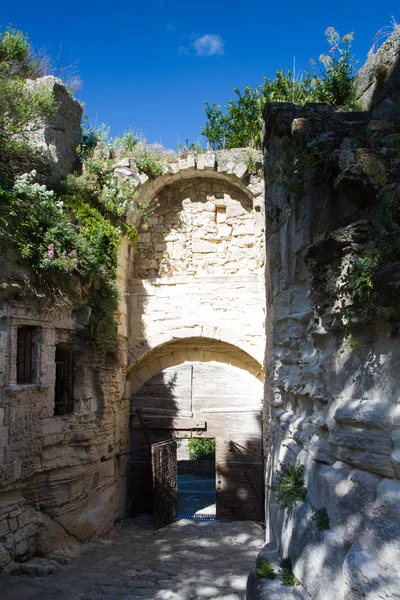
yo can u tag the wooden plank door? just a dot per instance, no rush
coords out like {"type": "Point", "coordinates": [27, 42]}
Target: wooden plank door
{"type": "Point", "coordinates": [165, 483]}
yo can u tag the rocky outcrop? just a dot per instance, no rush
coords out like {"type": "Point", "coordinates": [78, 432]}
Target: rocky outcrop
{"type": "Point", "coordinates": [56, 138]}
{"type": "Point", "coordinates": [377, 83]}
{"type": "Point", "coordinates": [333, 356]}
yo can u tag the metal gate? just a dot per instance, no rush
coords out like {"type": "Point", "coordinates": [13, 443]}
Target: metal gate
{"type": "Point", "coordinates": [165, 483]}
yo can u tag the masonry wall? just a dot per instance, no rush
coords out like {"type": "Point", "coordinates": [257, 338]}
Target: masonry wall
{"type": "Point", "coordinates": [62, 478]}
{"type": "Point", "coordinates": [196, 306]}
{"type": "Point", "coordinates": [200, 258]}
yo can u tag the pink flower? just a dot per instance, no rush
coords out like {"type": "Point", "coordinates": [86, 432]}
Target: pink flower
{"type": "Point", "coordinates": [50, 253]}
{"type": "Point", "coordinates": [50, 246]}
{"type": "Point", "coordinates": [75, 260]}
{"type": "Point", "coordinates": [72, 253]}
{"type": "Point", "coordinates": [332, 50]}
{"type": "Point", "coordinates": [158, 204]}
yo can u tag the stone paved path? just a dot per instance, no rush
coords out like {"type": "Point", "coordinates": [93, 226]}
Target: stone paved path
{"type": "Point", "coordinates": [187, 560]}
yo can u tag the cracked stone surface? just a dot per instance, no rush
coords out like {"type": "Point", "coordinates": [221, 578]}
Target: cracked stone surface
{"type": "Point", "coordinates": [187, 560]}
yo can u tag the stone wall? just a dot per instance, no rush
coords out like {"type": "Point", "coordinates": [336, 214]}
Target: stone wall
{"type": "Point", "coordinates": [197, 303]}
{"type": "Point", "coordinates": [333, 397]}
{"type": "Point", "coordinates": [62, 478]}
{"type": "Point", "coordinates": [201, 227]}
{"type": "Point", "coordinates": [377, 83]}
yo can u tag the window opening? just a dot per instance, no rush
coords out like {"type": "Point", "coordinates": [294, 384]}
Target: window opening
{"type": "Point", "coordinates": [64, 387]}
{"type": "Point", "coordinates": [28, 342]}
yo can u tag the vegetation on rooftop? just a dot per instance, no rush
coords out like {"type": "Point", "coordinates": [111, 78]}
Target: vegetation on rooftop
{"type": "Point", "coordinates": [239, 124]}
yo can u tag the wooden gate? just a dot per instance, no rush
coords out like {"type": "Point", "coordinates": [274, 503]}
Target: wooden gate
{"type": "Point", "coordinates": [165, 483]}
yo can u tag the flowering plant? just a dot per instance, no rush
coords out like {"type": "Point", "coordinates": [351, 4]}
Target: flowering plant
{"type": "Point", "coordinates": [64, 261]}
{"type": "Point", "coordinates": [147, 210]}
{"type": "Point", "coordinates": [335, 86]}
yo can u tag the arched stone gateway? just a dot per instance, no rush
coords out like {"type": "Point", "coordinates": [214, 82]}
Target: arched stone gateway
{"type": "Point", "coordinates": [195, 315]}
{"type": "Point", "coordinates": [179, 351]}
{"type": "Point", "coordinates": [200, 388]}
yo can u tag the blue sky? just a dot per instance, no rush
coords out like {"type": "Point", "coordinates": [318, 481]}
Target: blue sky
{"type": "Point", "coordinates": [151, 65]}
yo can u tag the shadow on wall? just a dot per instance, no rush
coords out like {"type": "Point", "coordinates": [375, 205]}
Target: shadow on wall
{"type": "Point", "coordinates": [194, 399]}
{"type": "Point", "coordinates": [362, 509]}
{"type": "Point", "coordinates": [153, 409]}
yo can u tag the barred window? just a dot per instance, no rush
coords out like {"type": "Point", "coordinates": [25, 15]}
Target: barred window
{"type": "Point", "coordinates": [64, 388]}
{"type": "Point", "coordinates": [28, 349]}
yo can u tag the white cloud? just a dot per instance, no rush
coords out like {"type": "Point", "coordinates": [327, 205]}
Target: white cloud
{"type": "Point", "coordinates": [171, 26]}
{"type": "Point", "coordinates": [209, 44]}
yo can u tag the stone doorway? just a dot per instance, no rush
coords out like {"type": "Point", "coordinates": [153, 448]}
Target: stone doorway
{"type": "Point", "coordinates": [196, 400]}
{"type": "Point", "coordinates": [196, 479]}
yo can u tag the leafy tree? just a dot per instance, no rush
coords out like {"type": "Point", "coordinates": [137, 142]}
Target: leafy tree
{"type": "Point", "coordinates": [21, 104]}
{"type": "Point", "coordinates": [201, 448]}
{"type": "Point", "coordinates": [239, 124]}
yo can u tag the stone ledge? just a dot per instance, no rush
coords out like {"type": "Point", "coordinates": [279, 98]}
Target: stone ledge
{"type": "Point", "coordinates": [158, 281]}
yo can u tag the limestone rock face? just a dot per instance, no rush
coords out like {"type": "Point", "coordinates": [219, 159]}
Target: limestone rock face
{"type": "Point", "coordinates": [57, 137]}
{"type": "Point", "coordinates": [377, 83]}
{"type": "Point", "coordinates": [333, 401]}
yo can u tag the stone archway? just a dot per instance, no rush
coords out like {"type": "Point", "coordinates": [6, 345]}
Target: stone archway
{"type": "Point", "coordinates": [200, 388]}
{"type": "Point", "coordinates": [195, 309]}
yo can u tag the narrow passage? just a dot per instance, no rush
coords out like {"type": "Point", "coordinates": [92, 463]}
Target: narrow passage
{"type": "Point", "coordinates": [187, 560]}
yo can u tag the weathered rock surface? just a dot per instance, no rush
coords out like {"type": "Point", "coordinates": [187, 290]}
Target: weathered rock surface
{"type": "Point", "coordinates": [377, 83]}
{"type": "Point", "coordinates": [272, 589]}
{"type": "Point", "coordinates": [334, 407]}
{"type": "Point", "coordinates": [56, 138]}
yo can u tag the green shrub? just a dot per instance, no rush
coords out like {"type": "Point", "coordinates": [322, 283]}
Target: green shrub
{"type": "Point", "coordinates": [239, 124]}
{"type": "Point", "coordinates": [20, 104]}
{"type": "Point", "coordinates": [321, 519]}
{"type": "Point", "coordinates": [201, 448]}
{"type": "Point", "coordinates": [288, 485]}
{"type": "Point", "coordinates": [128, 143]}
{"type": "Point", "coordinates": [264, 569]}
{"type": "Point", "coordinates": [150, 165]}
{"type": "Point", "coordinates": [288, 579]}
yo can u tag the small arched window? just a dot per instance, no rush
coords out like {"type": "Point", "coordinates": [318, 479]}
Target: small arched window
{"type": "Point", "coordinates": [64, 387]}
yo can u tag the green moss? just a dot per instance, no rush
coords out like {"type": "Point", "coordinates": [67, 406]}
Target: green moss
{"type": "Point", "coordinates": [101, 331]}
{"type": "Point", "coordinates": [102, 235]}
